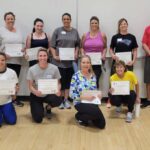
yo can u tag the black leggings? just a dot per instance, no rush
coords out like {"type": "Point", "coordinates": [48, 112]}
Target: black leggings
{"type": "Point", "coordinates": [97, 70]}
{"type": "Point", "coordinates": [117, 100]}
{"type": "Point", "coordinates": [36, 104]}
{"type": "Point", "coordinates": [87, 112]}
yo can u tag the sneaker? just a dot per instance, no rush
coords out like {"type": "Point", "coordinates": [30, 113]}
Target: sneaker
{"type": "Point", "coordinates": [129, 117]}
{"type": "Point", "coordinates": [67, 104]}
{"type": "Point", "coordinates": [145, 104]}
{"type": "Point", "coordinates": [82, 123]}
{"type": "Point", "coordinates": [18, 103]}
{"type": "Point", "coordinates": [48, 112]}
{"type": "Point", "coordinates": [61, 106]}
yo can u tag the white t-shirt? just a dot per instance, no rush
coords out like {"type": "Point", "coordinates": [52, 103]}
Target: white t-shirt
{"type": "Point", "coordinates": [8, 37]}
{"type": "Point", "coordinates": [9, 74]}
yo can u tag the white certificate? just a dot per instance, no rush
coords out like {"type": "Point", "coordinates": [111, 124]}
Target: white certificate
{"type": "Point", "coordinates": [96, 58]}
{"type": "Point", "coordinates": [32, 53]}
{"type": "Point", "coordinates": [120, 87]}
{"type": "Point", "coordinates": [7, 87]}
{"type": "Point", "coordinates": [48, 86]}
{"type": "Point", "coordinates": [66, 53]}
{"type": "Point", "coordinates": [95, 93]}
{"type": "Point", "coordinates": [14, 50]}
{"type": "Point", "coordinates": [125, 56]}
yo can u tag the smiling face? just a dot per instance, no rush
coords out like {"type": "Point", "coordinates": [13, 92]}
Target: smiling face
{"type": "Point", "coordinates": [123, 26]}
{"type": "Point", "coordinates": [42, 58]}
{"type": "Point", "coordinates": [9, 20]}
{"type": "Point", "coordinates": [66, 21]}
{"type": "Point", "coordinates": [2, 62]}
{"type": "Point", "coordinates": [85, 64]}
{"type": "Point", "coordinates": [39, 26]}
{"type": "Point", "coordinates": [120, 70]}
{"type": "Point", "coordinates": [94, 25]}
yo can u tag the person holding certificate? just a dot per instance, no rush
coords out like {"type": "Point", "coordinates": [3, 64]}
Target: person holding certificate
{"type": "Point", "coordinates": [65, 43]}
{"type": "Point", "coordinates": [12, 41]}
{"type": "Point", "coordinates": [123, 46]}
{"type": "Point", "coordinates": [95, 42]}
{"type": "Point", "coordinates": [38, 38]}
{"type": "Point", "coordinates": [7, 110]}
{"type": "Point", "coordinates": [123, 92]}
{"type": "Point", "coordinates": [81, 81]}
{"type": "Point", "coordinates": [40, 73]}
{"type": "Point", "coordinates": [146, 47]}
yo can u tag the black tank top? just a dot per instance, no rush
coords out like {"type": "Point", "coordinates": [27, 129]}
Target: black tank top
{"type": "Point", "coordinates": [39, 42]}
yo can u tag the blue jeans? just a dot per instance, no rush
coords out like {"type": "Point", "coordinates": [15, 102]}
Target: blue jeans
{"type": "Point", "coordinates": [8, 114]}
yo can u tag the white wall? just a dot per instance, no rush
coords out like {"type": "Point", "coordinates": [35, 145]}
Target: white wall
{"type": "Point", "coordinates": [137, 13]}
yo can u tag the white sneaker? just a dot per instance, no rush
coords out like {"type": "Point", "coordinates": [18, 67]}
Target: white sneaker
{"type": "Point", "coordinates": [67, 104]}
{"type": "Point", "coordinates": [129, 117]}
{"type": "Point", "coordinates": [61, 106]}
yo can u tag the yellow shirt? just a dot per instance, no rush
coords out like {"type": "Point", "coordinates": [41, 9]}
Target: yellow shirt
{"type": "Point", "coordinates": [128, 76]}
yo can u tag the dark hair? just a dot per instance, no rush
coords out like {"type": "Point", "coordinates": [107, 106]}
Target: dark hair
{"type": "Point", "coordinates": [66, 14]}
{"type": "Point", "coordinates": [120, 62]}
{"type": "Point", "coordinates": [119, 23]}
{"type": "Point", "coordinates": [3, 54]}
{"type": "Point", "coordinates": [43, 50]}
{"type": "Point", "coordinates": [8, 13]}
{"type": "Point", "coordinates": [94, 18]}
{"type": "Point", "coordinates": [35, 21]}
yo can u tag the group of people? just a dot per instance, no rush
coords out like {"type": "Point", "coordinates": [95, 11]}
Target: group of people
{"type": "Point", "coordinates": [71, 81]}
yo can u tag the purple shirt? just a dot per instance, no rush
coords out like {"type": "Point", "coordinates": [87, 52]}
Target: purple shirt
{"type": "Point", "coordinates": [93, 44]}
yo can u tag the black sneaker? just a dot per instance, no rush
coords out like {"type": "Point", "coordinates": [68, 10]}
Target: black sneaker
{"type": "Point", "coordinates": [83, 123]}
{"type": "Point", "coordinates": [48, 112]}
{"type": "Point", "coordinates": [145, 104]}
{"type": "Point", "coordinates": [18, 103]}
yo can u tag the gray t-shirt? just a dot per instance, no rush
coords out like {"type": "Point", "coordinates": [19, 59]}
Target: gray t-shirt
{"type": "Point", "coordinates": [35, 73]}
{"type": "Point", "coordinates": [64, 39]}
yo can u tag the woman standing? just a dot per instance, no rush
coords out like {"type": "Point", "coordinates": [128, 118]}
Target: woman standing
{"type": "Point", "coordinates": [9, 34]}
{"type": "Point", "coordinates": [123, 42]}
{"type": "Point", "coordinates": [85, 80]}
{"type": "Point", "coordinates": [7, 110]}
{"type": "Point", "coordinates": [65, 37]}
{"type": "Point", "coordinates": [38, 38]}
{"type": "Point", "coordinates": [95, 41]}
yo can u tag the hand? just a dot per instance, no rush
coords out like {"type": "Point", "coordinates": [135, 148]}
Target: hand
{"type": "Point", "coordinates": [57, 58]}
{"type": "Point", "coordinates": [37, 93]}
{"type": "Point", "coordinates": [111, 90]}
{"type": "Point", "coordinates": [26, 57]}
{"type": "Point", "coordinates": [23, 49]}
{"type": "Point", "coordinates": [90, 98]}
{"type": "Point", "coordinates": [130, 63]}
{"type": "Point", "coordinates": [58, 93]}
{"type": "Point", "coordinates": [114, 57]}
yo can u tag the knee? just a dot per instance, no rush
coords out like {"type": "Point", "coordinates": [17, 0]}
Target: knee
{"type": "Point", "coordinates": [38, 119]}
{"type": "Point", "coordinates": [12, 121]}
{"type": "Point", "coordinates": [102, 124]}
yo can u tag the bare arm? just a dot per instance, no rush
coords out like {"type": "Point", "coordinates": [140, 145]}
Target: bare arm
{"type": "Point", "coordinates": [138, 100]}
{"type": "Point", "coordinates": [105, 46]}
{"type": "Point", "coordinates": [82, 43]}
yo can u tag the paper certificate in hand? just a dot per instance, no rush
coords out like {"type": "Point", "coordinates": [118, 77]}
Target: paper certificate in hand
{"type": "Point", "coordinates": [120, 87]}
{"type": "Point", "coordinates": [125, 56]}
{"type": "Point", "coordinates": [96, 58]}
{"type": "Point", "coordinates": [66, 53]}
{"type": "Point", "coordinates": [32, 53]}
{"type": "Point", "coordinates": [95, 93]}
{"type": "Point", "coordinates": [7, 87]}
{"type": "Point", "coordinates": [14, 50]}
{"type": "Point", "coordinates": [48, 86]}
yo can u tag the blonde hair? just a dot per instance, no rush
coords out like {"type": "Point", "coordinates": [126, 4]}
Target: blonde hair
{"type": "Point", "coordinates": [119, 23]}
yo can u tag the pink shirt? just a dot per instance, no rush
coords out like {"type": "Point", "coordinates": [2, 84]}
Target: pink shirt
{"type": "Point", "coordinates": [93, 44]}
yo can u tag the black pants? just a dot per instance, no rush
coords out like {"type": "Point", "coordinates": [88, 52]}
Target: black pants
{"type": "Point", "coordinates": [87, 112]}
{"type": "Point", "coordinates": [15, 67]}
{"type": "Point", "coordinates": [117, 100]}
{"type": "Point", "coordinates": [97, 70]}
{"type": "Point", "coordinates": [37, 108]}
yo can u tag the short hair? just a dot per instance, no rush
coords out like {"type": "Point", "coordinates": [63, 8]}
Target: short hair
{"type": "Point", "coordinates": [9, 13]}
{"type": "Point", "coordinates": [3, 54]}
{"type": "Point", "coordinates": [42, 50]}
{"type": "Point", "coordinates": [119, 23]}
{"type": "Point", "coordinates": [66, 14]}
{"type": "Point", "coordinates": [120, 62]}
